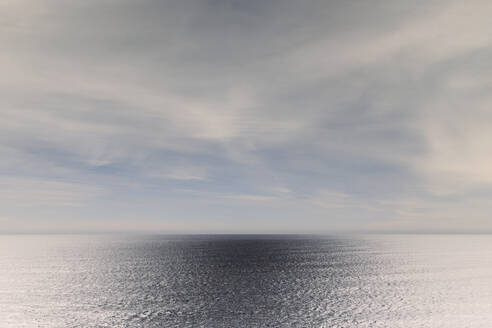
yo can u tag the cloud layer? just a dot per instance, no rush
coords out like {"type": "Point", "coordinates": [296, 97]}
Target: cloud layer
{"type": "Point", "coordinates": [245, 116]}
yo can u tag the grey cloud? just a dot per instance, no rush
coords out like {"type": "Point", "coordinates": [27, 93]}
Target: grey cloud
{"type": "Point", "coordinates": [321, 98]}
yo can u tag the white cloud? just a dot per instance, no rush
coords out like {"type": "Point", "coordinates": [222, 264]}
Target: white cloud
{"type": "Point", "coordinates": [181, 173]}
{"type": "Point", "coordinates": [250, 197]}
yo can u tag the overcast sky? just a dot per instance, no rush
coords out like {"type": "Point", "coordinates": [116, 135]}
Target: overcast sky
{"type": "Point", "coordinates": [245, 116]}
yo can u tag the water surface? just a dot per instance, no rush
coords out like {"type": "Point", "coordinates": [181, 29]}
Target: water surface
{"type": "Point", "coordinates": [245, 281]}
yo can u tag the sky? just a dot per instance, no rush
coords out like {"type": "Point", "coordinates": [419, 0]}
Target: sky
{"type": "Point", "coordinates": [256, 116]}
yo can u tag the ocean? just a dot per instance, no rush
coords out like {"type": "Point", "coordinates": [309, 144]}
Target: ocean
{"type": "Point", "coordinates": [245, 281]}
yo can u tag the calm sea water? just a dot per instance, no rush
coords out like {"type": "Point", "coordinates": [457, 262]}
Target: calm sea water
{"type": "Point", "coordinates": [245, 281]}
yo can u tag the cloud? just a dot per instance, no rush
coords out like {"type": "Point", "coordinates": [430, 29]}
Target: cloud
{"type": "Point", "coordinates": [181, 173]}
{"type": "Point", "coordinates": [34, 192]}
{"type": "Point", "coordinates": [344, 110]}
{"type": "Point", "coordinates": [254, 198]}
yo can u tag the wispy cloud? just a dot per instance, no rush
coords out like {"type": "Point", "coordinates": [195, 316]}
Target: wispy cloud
{"type": "Point", "coordinates": [35, 192]}
{"type": "Point", "coordinates": [273, 108]}
{"type": "Point", "coordinates": [181, 173]}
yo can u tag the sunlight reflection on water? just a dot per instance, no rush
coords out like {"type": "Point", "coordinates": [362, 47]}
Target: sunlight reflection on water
{"type": "Point", "coordinates": [246, 281]}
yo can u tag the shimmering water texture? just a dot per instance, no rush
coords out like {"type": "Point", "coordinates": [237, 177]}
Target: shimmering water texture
{"type": "Point", "coordinates": [245, 281]}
